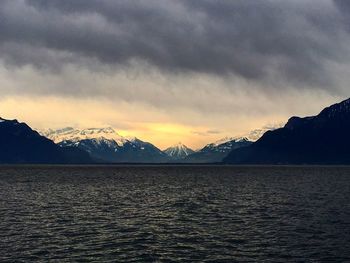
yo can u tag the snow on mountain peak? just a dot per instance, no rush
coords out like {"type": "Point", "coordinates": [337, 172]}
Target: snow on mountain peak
{"type": "Point", "coordinates": [179, 145]}
{"type": "Point", "coordinates": [6, 120]}
{"type": "Point", "coordinates": [178, 151]}
{"type": "Point", "coordinates": [221, 141]}
{"type": "Point", "coordinates": [91, 131]}
{"type": "Point", "coordinates": [256, 134]}
{"type": "Point", "coordinates": [251, 136]}
{"type": "Point", "coordinates": [228, 139]}
{"type": "Point", "coordinates": [131, 138]}
{"type": "Point", "coordinates": [75, 135]}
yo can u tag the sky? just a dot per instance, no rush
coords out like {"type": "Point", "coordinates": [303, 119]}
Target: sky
{"type": "Point", "coordinates": [172, 70]}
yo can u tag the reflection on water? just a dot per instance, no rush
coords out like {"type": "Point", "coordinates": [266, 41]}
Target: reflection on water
{"type": "Point", "coordinates": [175, 214]}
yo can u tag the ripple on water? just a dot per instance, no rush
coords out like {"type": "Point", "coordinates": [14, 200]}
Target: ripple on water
{"type": "Point", "coordinates": [174, 214]}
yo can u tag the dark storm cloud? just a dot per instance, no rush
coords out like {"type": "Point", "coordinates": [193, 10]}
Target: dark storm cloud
{"type": "Point", "coordinates": [257, 40]}
{"type": "Point", "coordinates": [344, 7]}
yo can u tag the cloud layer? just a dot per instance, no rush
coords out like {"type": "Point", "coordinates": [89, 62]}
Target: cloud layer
{"type": "Point", "coordinates": [291, 41]}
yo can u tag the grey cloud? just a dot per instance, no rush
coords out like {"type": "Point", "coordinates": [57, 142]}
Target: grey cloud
{"type": "Point", "coordinates": [213, 132]}
{"type": "Point", "coordinates": [206, 133]}
{"type": "Point", "coordinates": [199, 133]}
{"type": "Point", "coordinates": [270, 41]}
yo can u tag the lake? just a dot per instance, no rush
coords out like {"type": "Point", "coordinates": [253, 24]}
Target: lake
{"type": "Point", "coordinates": [174, 213]}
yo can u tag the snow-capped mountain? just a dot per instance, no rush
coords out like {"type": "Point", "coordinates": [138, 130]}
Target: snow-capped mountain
{"type": "Point", "coordinates": [76, 135]}
{"type": "Point", "coordinates": [224, 142]}
{"type": "Point", "coordinates": [178, 151]}
{"type": "Point", "coordinates": [256, 134]}
{"type": "Point", "coordinates": [215, 152]}
{"type": "Point", "coordinates": [226, 145]}
{"type": "Point", "coordinates": [106, 145]}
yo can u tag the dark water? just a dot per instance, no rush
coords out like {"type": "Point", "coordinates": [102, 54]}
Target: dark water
{"type": "Point", "coordinates": [175, 214]}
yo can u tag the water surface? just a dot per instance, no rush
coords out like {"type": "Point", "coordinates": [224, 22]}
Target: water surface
{"type": "Point", "coordinates": [174, 214]}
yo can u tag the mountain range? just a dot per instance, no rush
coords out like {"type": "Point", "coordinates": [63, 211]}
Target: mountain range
{"type": "Point", "coordinates": [215, 152]}
{"type": "Point", "coordinates": [105, 145]}
{"type": "Point", "coordinates": [102, 145]}
{"type": "Point", "coordinates": [320, 139]}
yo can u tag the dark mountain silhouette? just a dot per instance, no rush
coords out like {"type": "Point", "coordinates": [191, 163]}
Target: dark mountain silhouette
{"type": "Point", "coordinates": [137, 151]}
{"type": "Point", "coordinates": [20, 144]}
{"type": "Point", "coordinates": [321, 139]}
